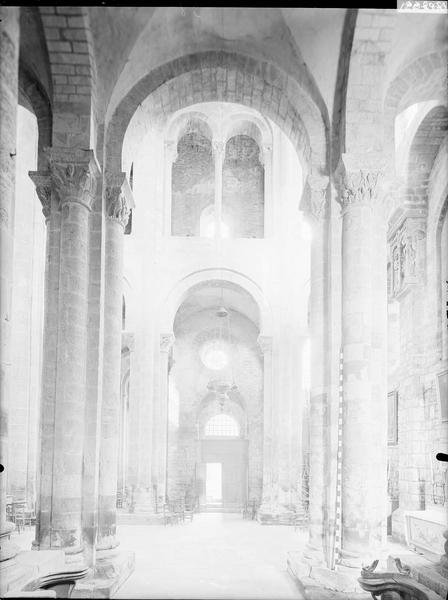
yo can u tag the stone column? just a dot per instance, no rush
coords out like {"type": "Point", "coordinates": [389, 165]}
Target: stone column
{"type": "Point", "coordinates": [9, 71]}
{"type": "Point", "coordinates": [52, 214]}
{"type": "Point", "coordinates": [170, 158]}
{"type": "Point", "coordinates": [316, 210]}
{"type": "Point", "coordinates": [269, 497]}
{"type": "Point", "coordinates": [94, 379]}
{"type": "Point", "coordinates": [364, 478]}
{"type": "Point", "coordinates": [219, 148]}
{"type": "Point", "coordinates": [444, 557]}
{"type": "Point", "coordinates": [166, 343]}
{"type": "Point", "coordinates": [266, 159]}
{"type": "Point", "coordinates": [73, 180]}
{"type": "Point", "coordinates": [118, 204]}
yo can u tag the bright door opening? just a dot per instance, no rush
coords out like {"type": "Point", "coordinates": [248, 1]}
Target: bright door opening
{"type": "Point", "coordinates": [213, 482]}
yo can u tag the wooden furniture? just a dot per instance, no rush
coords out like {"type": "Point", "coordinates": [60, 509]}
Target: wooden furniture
{"type": "Point", "coordinates": [179, 511]}
{"type": "Point", "coordinates": [61, 583]}
{"type": "Point", "coordinates": [189, 511]}
{"type": "Point", "coordinates": [300, 520]}
{"type": "Point", "coordinates": [17, 514]}
{"type": "Point", "coordinates": [250, 510]}
{"type": "Point", "coordinates": [169, 516]}
{"type": "Point", "coordinates": [397, 585]}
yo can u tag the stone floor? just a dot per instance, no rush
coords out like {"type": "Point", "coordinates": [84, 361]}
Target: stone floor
{"type": "Point", "coordinates": [215, 556]}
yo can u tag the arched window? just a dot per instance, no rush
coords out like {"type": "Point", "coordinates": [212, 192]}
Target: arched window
{"type": "Point", "coordinates": [222, 425]}
{"type": "Point", "coordinates": [192, 179]}
{"type": "Point", "coordinates": [243, 188]}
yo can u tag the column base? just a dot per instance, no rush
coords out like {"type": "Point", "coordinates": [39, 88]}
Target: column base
{"type": "Point", "coordinates": [140, 518]}
{"type": "Point", "coordinates": [142, 501]}
{"type": "Point", "coordinates": [317, 582]}
{"type": "Point", "coordinates": [112, 569]}
{"type": "Point", "coordinates": [276, 514]}
{"type": "Point", "coordinates": [8, 549]}
{"type": "Point", "coordinates": [107, 544]}
{"type": "Point", "coordinates": [142, 512]}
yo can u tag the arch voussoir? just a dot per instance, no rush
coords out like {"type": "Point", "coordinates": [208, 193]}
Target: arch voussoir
{"type": "Point", "coordinates": [230, 77]}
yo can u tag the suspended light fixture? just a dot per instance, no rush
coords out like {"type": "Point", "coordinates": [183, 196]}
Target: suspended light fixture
{"type": "Point", "coordinates": [221, 388]}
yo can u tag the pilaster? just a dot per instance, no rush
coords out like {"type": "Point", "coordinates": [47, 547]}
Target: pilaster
{"type": "Point", "coordinates": [166, 343]}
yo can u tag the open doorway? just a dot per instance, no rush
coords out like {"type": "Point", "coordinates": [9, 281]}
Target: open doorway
{"type": "Point", "coordinates": [213, 483]}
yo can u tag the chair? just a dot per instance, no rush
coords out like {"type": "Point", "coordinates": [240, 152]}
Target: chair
{"type": "Point", "coordinates": [18, 515]}
{"type": "Point", "coordinates": [253, 510]}
{"type": "Point", "coordinates": [246, 511]}
{"type": "Point", "coordinates": [30, 516]}
{"type": "Point", "coordinates": [189, 511]}
{"type": "Point", "coordinates": [169, 516]}
{"type": "Point", "coordinates": [9, 513]}
{"type": "Point", "coordinates": [179, 511]}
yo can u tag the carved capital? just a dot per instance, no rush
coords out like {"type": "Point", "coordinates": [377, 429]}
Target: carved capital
{"type": "Point", "coordinates": [265, 343]}
{"type": "Point", "coordinates": [407, 255]}
{"type": "Point", "coordinates": [171, 150]}
{"type": "Point", "coordinates": [360, 187]}
{"type": "Point", "coordinates": [314, 199]}
{"type": "Point", "coordinates": [42, 181]}
{"type": "Point", "coordinates": [166, 341]}
{"type": "Point", "coordinates": [218, 148]}
{"type": "Point", "coordinates": [265, 153]}
{"type": "Point", "coordinates": [117, 206]}
{"type": "Point", "coordinates": [74, 175]}
{"type": "Point", "coordinates": [360, 179]}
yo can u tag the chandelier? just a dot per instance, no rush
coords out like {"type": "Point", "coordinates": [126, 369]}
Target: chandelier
{"type": "Point", "coordinates": [221, 387]}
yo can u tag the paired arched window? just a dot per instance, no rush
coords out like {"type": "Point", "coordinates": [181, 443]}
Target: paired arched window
{"type": "Point", "coordinates": [192, 179]}
{"type": "Point", "coordinates": [243, 188]}
{"type": "Point", "coordinates": [222, 425]}
{"type": "Point", "coordinates": [217, 186]}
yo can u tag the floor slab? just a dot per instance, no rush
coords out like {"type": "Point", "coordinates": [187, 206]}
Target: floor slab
{"type": "Point", "coordinates": [215, 556]}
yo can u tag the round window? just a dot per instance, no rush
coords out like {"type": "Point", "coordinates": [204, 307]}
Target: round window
{"type": "Point", "coordinates": [214, 355]}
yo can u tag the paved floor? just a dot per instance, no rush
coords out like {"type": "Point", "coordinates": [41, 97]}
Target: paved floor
{"type": "Point", "coordinates": [215, 556]}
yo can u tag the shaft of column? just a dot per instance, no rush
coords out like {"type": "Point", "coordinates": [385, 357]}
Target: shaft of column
{"type": "Point", "coordinates": [170, 158]}
{"type": "Point", "coordinates": [9, 71]}
{"type": "Point", "coordinates": [318, 391]}
{"type": "Point", "coordinates": [364, 483]}
{"type": "Point", "coordinates": [117, 215]}
{"type": "Point", "coordinates": [94, 381]}
{"type": "Point", "coordinates": [218, 150]}
{"type": "Point", "coordinates": [73, 180]}
{"type": "Point", "coordinates": [265, 343]}
{"type": "Point", "coordinates": [52, 213]}
{"type": "Point", "coordinates": [166, 342]}
{"type": "Point", "coordinates": [266, 159]}
{"type": "Point", "coordinates": [316, 211]}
